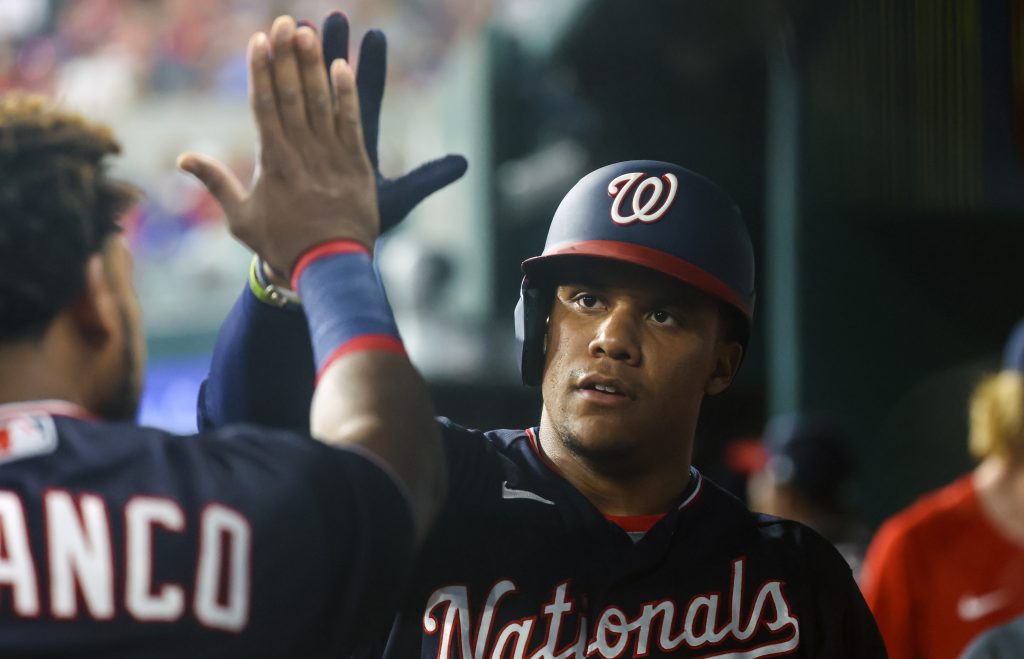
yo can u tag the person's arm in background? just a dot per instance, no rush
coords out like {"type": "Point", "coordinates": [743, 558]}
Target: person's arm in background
{"type": "Point", "coordinates": [262, 369]}
{"type": "Point", "coordinates": [312, 213]}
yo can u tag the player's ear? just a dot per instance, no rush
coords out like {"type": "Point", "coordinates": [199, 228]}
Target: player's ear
{"type": "Point", "coordinates": [95, 313]}
{"type": "Point", "coordinates": [728, 355]}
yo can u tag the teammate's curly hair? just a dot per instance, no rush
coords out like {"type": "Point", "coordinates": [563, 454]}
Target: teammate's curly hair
{"type": "Point", "coordinates": [57, 207]}
{"type": "Point", "coordinates": [997, 417]}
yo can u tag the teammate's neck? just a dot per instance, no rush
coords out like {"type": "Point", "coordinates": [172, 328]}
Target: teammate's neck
{"type": "Point", "coordinates": [1000, 486]}
{"type": "Point", "coordinates": [650, 489]}
{"type": "Point", "coordinates": [41, 370]}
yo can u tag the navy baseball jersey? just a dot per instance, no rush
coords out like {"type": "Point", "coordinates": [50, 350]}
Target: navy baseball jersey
{"type": "Point", "coordinates": [521, 564]}
{"type": "Point", "coordinates": [121, 541]}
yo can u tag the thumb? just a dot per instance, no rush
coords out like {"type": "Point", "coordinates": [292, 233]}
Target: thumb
{"type": "Point", "coordinates": [404, 193]}
{"type": "Point", "coordinates": [217, 178]}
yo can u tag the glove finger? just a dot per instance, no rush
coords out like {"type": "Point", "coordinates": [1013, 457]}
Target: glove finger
{"type": "Point", "coordinates": [335, 39]}
{"type": "Point", "coordinates": [401, 195]}
{"type": "Point", "coordinates": [370, 78]}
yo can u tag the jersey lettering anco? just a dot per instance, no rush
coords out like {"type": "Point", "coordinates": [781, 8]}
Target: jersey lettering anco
{"type": "Point", "coordinates": [120, 541]}
{"type": "Point", "coordinates": [520, 565]}
{"type": "Point", "coordinates": [79, 560]}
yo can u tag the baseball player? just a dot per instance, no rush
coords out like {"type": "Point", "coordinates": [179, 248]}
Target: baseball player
{"type": "Point", "coordinates": [591, 534]}
{"type": "Point", "coordinates": [121, 541]}
{"type": "Point", "coordinates": [952, 564]}
{"type": "Point", "coordinates": [806, 475]}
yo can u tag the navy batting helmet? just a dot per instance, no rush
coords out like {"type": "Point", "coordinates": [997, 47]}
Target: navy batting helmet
{"type": "Point", "coordinates": [654, 214]}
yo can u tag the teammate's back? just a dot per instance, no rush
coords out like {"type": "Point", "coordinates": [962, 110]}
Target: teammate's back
{"type": "Point", "coordinates": [121, 541]}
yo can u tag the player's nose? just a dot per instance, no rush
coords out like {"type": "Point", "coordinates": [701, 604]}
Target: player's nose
{"type": "Point", "coordinates": [618, 336]}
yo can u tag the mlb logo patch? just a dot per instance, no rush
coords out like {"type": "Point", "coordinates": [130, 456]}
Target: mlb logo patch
{"type": "Point", "coordinates": [26, 436]}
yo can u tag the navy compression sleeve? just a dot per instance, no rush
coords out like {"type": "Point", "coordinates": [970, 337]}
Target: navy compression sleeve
{"type": "Point", "coordinates": [262, 368]}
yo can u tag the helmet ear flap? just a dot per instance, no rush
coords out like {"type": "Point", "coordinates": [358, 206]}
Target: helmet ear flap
{"type": "Point", "coordinates": [531, 328]}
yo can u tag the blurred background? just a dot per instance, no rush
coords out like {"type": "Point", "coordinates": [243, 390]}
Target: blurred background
{"type": "Point", "coordinates": [874, 146]}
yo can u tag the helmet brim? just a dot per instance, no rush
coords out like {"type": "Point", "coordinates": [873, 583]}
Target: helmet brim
{"type": "Point", "coordinates": [534, 268]}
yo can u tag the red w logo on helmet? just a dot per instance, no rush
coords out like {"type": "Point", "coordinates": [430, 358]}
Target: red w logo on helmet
{"type": "Point", "coordinates": [643, 211]}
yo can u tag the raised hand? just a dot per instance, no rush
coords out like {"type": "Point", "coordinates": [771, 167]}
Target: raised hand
{"type": "Point", "coordinates": [397, 196]}
{"type": "Point", "coordinates": [314, 181]}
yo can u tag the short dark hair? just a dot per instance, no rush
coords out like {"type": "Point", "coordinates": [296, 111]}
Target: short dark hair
{"type": "Point", "coordinates": [58, 206]}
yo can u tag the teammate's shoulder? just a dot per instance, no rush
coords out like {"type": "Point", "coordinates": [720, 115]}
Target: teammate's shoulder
{"type": "Point", "coordinates": [141, 435]}
{"type": "Point", "coordinates": [253, 453]}
{"type": "Point", "coordinates": [234, 444]}
{"type": "Point", "coordinates": [950, 499]}
{"type": "Point", "coordinates": [240, 432]}
{"type": "Point", "coordinates": [255, 444]}
{"type": "Point", "coordinates": [935, 512]}
{"type": "Point", "coordinates": [107, 439]}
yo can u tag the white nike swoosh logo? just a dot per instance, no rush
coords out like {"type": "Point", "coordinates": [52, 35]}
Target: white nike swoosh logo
{"type": "Point", "coordinates": [972, 607]}
{"type": "Point", "coordinates": [509, 493]}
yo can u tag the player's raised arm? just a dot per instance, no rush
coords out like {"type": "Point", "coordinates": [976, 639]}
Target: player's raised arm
{"type": "Point", "coordinates": [312, 212]}
{"type": "Point", "coordinates": [273, 387]}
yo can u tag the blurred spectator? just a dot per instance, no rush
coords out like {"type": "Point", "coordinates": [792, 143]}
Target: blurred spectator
{"type": "Point", "coordinates": [1003, 642]}
{"type": "Point", "coordinates": [806, 474]}
{"type": "Point", "coordinates": [952, 564]}
{"type": "Point", "coordinates": [113, 52]}
{"type": "Point", "coordinates": [139, 64]}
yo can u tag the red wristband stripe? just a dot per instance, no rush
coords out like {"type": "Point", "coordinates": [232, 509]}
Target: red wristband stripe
{"type": "Point", "coordinates": [378, 342]}
{"type": "Point", "coordinates": [325, 249]}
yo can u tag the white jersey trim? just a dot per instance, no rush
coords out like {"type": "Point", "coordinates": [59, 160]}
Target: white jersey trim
{"type": "Point", "coordinates": [52, 407]}
{"type": "Point", "coordinates": [696, 490]}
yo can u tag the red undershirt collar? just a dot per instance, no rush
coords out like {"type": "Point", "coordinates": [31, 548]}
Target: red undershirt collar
{"type": "Point", "coordinates": [635, 523]}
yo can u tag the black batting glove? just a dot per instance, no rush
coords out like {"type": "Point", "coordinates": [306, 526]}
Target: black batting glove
{"type": "Point", "coordinates": [395, 196]}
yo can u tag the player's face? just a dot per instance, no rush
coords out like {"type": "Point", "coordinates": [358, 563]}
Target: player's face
{"type": "Point", "coordinates": [630, 355]}
{"type": "Point", "coordinates": [122, 400]}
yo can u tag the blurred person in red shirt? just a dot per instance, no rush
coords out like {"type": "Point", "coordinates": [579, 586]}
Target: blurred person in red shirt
{"type": "Point", "coordinates": [952, 564]}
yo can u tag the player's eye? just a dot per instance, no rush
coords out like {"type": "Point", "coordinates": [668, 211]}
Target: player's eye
{"type": "Point", "coordinates": [662, 317]}
{"type": "Point", "coordinates": [586, 300]}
